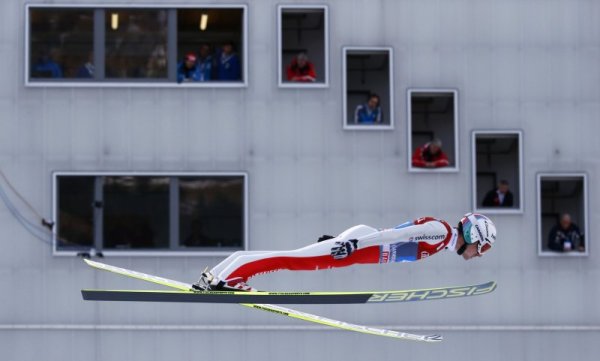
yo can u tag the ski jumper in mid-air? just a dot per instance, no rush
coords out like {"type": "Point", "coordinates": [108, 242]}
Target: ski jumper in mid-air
{"type": "Point", "coordinates": [410, 241]}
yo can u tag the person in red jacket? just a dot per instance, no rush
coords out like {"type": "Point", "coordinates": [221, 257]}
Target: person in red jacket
{"type": "Point", "coordinates": [301, 70]}
{"type": "Point", "coordinates": [430, 155]}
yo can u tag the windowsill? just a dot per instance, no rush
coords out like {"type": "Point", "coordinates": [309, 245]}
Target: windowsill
{"type": "Point", "coordinates": [433, 170]}
{"type": "Point", "coordinates": [563, 255]}
{"type": "Point", "coordinates": [293, 85]}
{"type": "Point", "coordinates": [146, 253]}
{"type": "Point", "coordinates": [499, 210]}
{"type": "Point", "coordinates": [368, 127]}
{"type": "Point", "coordinates": [145, 84]}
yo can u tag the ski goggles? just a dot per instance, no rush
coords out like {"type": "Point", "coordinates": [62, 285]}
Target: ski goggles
{"type": "Point", "coordinates": [483, 246]}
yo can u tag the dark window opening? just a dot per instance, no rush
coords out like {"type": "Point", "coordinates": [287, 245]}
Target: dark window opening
{"type": "Point", "coordinates": [61, 44]}
{"type": "Point", "coordinates": [368, 89]}
{"type": "Point", "coordinates": [433, 130]}
{"type": "Point", "coordinates": [76, 212]}
{"type": "Point", "coordinates": [210, 45]}
{"type": "Point", "coordinates": [136, 43]}
{"type": "Point", "coordinates": [211, 212]}
{"type": "Point", "coordinates": [562, 215]}
{"type": "Point", "coordinates": [303, 52]}
{"type": "Point", "coordinates": [154, 212]}
{"type": "Point", "coordinates": [497, 171]}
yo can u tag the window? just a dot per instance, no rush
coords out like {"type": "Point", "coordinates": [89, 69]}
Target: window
{"type": "Point", "coordinates": [432, 130]}
{"type": "Point", "coordinates": [562, 214]}
{"type": "Point", "coordinates": [215, 37]}
{"type": "Point", "coordinates": [140, 46]}
{"type": "Point", "coordinates": [368, 91]}
{"type": "Point", "coordinates": [75, 208]}
{"type": "Point", "coordinates": [134, 39]}
{"type": "Point", "coordinates": [135, 212]}
{"type": "Point", "coordinates": [303, 46]}
{"type": "Point", "coordinates": [497, 173]}
{"type": "Point", "coordinates": [61, 44]}
{"type": "Point", "coordinates": [129, 214]}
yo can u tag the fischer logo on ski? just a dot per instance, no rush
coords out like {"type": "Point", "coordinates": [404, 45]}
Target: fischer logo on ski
{"type": "Point", "coordinates": [433, 294]}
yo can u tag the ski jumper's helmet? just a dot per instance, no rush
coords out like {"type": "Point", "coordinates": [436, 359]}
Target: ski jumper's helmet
{"type": "Point", "coordinates": [477, 228]}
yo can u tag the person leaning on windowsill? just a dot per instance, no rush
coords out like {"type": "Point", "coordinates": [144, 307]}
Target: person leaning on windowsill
{"type": "Point", "coordinates": [430, 155]}
{"type": "Point", "coordinates": [301, 70]}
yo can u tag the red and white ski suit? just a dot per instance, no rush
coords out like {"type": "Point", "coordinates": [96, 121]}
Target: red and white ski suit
{"type": "Point", "coordinates": [410, 241]}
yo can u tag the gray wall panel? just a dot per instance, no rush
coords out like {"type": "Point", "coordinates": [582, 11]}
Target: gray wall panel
{"type": "Point", "coordinates": [527, 64]}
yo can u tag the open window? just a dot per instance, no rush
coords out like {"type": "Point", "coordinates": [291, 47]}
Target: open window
{"type": "Point", "coordinates": [368, 102]}
{"type": "Point", "coordinates": [136, 45]}
{"type": "Point", "coordinates": [432, 130]}
{"type": "Point", "coordinates": [497, 171]}
{"type": "Point", "coordinates": [303, 54]}
{"type": "Point", "coordinates": [150, 213]}
{"type": "Point", "coordinates": [562, 214]}
{"type": "Point", "coordinates": [216, 37]}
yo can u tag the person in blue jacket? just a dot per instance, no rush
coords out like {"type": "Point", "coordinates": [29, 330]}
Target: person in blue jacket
{"type": "Point", "coordinates": [46, 67]}
{"type": "Point", "coordinates": [205, 63]}
{"type": "Point", "coordinates": [370, 112]}
{"type": "Point", "coordinates": [228, 64]}
{"type": "Point", "coordinates": [188, 69]}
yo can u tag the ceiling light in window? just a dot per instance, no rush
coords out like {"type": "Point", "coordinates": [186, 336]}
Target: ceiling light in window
{"type": "Point", "coordinates": [114, 21]}
{"type": "Point", "coordinates": [203, 21]}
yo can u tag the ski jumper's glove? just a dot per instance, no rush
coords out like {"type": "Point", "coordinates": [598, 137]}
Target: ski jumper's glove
{"type": "Point", "coordinates": [344, 249]}
{"type": "Point", "coordinates": [324, 238]}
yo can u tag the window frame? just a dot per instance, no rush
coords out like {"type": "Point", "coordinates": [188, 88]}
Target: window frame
{"type": "Point", "coordinates": [475, 203]}
{"type": "Point", "coordinates": [143, 83]}
{"type": "Point", "coordinates": [540, 237]}
{"type": "Point", "coordinates": [146, 253]}
{"type": "Point", "coordinates": [391, 115]}
{"type": "Point", "coordinates": [280, 9]}
{"type": "Point", "coordinates": [411, 169]}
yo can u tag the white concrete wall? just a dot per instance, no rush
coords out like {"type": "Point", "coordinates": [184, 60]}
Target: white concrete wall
{"type": "Point", "coordinates": [518, 64]}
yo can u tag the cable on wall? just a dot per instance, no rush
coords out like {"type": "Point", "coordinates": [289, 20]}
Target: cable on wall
{"type": "Point", "coordinates": [42, 231]}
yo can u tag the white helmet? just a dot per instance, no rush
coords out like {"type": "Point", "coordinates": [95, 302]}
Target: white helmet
{"type": "Point", "coordinates": [477, 228]}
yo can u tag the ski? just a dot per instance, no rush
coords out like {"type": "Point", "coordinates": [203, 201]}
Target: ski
{"type": "Point", "coordinates": [188, 295]}
{"type": "Point", "coordinates": [280, 310]}
{"type": "Point", "coordinates": [288, 297]}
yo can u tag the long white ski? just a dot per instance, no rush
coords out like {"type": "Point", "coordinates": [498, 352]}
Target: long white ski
{"type": "Point", "coordinates": [272, 308]}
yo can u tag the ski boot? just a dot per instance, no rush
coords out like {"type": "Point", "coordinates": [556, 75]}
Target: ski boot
{"type": "Point", "coordinates": [208, 282]}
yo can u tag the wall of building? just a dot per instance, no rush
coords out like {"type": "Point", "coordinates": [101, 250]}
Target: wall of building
{"type": "Point", "coordinates": [518, 64]}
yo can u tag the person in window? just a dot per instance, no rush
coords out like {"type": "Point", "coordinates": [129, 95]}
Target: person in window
{"type": "Point", "coordinates": [157, 62]}
{"type": "Point", "coordinates": [301, 69]}
{"type": "Point", "coordinates": [205, 63]}
{"type": "Point", "coordinates": [188, 69]}
{"type": "Point", "coordinates": [369, 112]}
{"type": "Point", "coordinates": [499, 197]}
{"type": "Point", "coordinates": [565, 236]}
{"type": "Point", "coordinates": [430, 155]}
{"type": "Point", "coordinates": [86, 71]}
{"type": "Point", "coordinates": [47, 65]}
{"type": "Point", "coordinates": [228, 66]}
